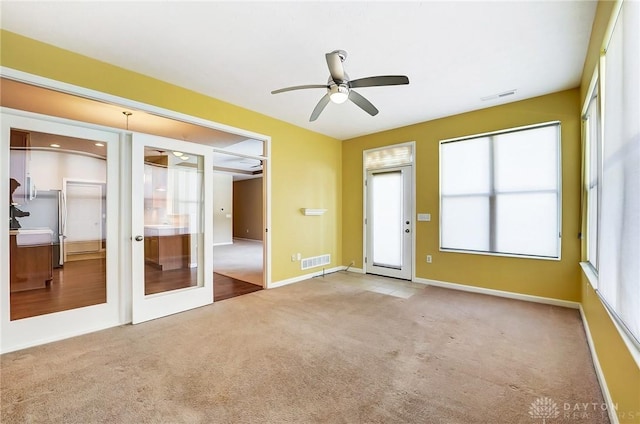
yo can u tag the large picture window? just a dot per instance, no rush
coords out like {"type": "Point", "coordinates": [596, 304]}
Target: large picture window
{"type": "Point", "coordinates": [500, 192]}
{"type": "Point", "coordinates": [613, 178]}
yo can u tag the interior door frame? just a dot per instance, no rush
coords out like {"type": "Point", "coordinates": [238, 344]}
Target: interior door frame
{"type": "Point", "coordinates": [148, 307]}
{"type": "Point", "coordinates": [124, 271]}
{"type": "Point", "coordinates": [412, 211]}
{"type": "Point", "coordinates": [266, 196]}
{"type": "Point", "coordinates": [46, 328]}
{"type": "Point", "coordinates": [75, 181]}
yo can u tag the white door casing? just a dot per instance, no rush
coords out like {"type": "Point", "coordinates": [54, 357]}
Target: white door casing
{"type": "Point", "coordinates": [147, 307]}
{"type": "Point", "coordinates": [388, 222]}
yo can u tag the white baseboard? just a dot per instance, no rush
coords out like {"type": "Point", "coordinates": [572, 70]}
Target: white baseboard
{"type": "Point", "coordinates": [499, 293]}
{"type": "Point", "coordinates": [224, 243]}
{"type": "Point", "coordinates": [352, 269]}
{"type": "Point", "coordinates": [288, 281]}
{"type": "Point", "coordinates": [611, 410]}
{"type": "Point", "coordinates": [247, 239]}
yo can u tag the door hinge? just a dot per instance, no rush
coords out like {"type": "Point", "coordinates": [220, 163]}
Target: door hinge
{"type": "Point", "coordinates": [365, 259]}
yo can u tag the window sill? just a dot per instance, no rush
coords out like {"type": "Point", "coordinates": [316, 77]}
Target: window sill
{"type": "Point", "coordinates": [590, 273]}
{"type": "Point", "coordinates": [500, 254]}
{"type": "Point", "coordinates": [628, 340]}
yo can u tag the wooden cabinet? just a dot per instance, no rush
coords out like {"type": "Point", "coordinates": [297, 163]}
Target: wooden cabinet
{"type": "Point", "coordinates": [20, 138]}
{"type": "Point", "coordinates": [30, 266]}
{"type": "Point", "coordinates": [168, 252]}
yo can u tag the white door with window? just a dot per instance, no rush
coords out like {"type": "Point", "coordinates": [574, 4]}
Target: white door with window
{"type": "Point", "coordinates": [172, 226]}
{"type": "Point", "coordinates": [42, 299]}
{"type": "Point", "coordinates": [388, 221]}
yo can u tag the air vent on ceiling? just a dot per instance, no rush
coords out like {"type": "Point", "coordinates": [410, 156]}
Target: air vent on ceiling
{"type": "Point", "coordinates": [316, 261]}
{"type": "Point", "coordinates": [499, 95]}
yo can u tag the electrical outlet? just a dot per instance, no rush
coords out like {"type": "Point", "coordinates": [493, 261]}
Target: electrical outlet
{"type": "Point", "coordinates": [299, 256]}
{"type": "Point", "coordinates": [429, 259]}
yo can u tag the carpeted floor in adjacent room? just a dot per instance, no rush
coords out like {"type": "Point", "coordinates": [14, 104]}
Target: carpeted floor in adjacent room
{"type": "Point", "coordinates": [336, 349]}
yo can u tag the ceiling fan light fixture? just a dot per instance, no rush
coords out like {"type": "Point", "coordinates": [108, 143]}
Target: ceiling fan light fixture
{"type": "Point", "coordinates": [338, 93]}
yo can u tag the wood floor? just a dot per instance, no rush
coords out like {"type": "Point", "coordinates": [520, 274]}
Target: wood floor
{"type": "Point", "coordinates": [75, 285]}
{"type": "Point", "coordinates": [226, 287]}
{"type": "Point", "coordinates": [83, 283]}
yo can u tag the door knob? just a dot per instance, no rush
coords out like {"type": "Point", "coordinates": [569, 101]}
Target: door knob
{"type": "Point", "coordinates": [139, 238]}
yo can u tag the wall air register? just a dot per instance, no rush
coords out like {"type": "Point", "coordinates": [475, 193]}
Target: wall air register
{"type": "Point", "coordinates": [315, 261]}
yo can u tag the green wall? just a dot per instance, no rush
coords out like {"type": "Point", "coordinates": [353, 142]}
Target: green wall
{"type": "Point", "coordinates": [554, 279]}
{"type": "Point", "coordinates": [306, 166]}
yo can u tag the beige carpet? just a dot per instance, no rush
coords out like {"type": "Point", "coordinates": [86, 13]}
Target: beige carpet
{"type": "Point", "coordinates": [326, 350]}
{"type": "Point", "coordinates": [241, 260]}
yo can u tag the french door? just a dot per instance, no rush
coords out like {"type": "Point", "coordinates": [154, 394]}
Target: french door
{"type": "Point", "coordinates": [389, 222]}
{"type": "Point", "coordinates": [43, 298]}
{"type": "Point", "coordinates": [172, 226]}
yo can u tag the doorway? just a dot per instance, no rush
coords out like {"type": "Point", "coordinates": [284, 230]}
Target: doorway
{"type": "Point", "coordinates": [106, 117]}
{"type": "Point", "coordinates": [239, 249]}
{"type": "Point", "coordinates": [388, 211]}
{"type": "Point", "coordinates": [83, 220]}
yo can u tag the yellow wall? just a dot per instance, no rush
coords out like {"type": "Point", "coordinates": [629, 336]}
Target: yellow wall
{"type": "Point", "coordinates": [306, 170]}
{"type": "Point", "coordinates": [555, 279]}
{"type": "Point", "coordinates": [247, 209]}
{"type": "Point", "coordinates": [618, 366]}
{"type": "Point", "coordinates": [620, 370]}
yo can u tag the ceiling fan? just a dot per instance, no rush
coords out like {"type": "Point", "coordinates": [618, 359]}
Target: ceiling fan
{"type": "Point", "coordinates": [340, 88]}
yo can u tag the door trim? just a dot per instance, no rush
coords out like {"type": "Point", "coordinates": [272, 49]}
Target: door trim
{"type": "Point", "coordinates": [148, 307]}
{"type": "Point", "coordinates": [401, 272]}
{"type": "Point", "coordinates": [413, 201]}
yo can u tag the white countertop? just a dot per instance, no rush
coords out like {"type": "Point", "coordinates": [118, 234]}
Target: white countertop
{"type": "Point", "coordinates": [164, 230]}
{"type": "Point", "coordinates": [32, 236]}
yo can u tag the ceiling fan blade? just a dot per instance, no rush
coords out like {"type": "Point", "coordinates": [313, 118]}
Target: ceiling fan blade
{"type": "Point", "coordinates": [334, 62]}
{"type": "Point", "coordinates": [299, 87]}
{"type": "Point", "coordinates": [379, 81]}
{"type": "Point", "coordinates": [363, 103]}
{"type": "Point", "coordinates": [319, 107]}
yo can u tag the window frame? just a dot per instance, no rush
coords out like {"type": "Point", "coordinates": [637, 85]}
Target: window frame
{"type": "Point", "coordinates": [598, 86]}
{"type": "Point", "coordinates": [493, 193]}
{"type": "Point", "coordinates": [593, 110]}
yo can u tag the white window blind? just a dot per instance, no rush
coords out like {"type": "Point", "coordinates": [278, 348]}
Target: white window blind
{"type": "Point", "coordinates": [619, 241]}
{"type": "Point", "coordinates": [500, 193]}
{"type": "Point", "coordinates": [401, 154]}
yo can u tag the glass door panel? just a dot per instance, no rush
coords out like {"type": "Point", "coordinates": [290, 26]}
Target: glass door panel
{"type": "Point", "coordinates": [172, 226]}
{"type": "Point", "coordinates": [389, 212]}
{"type": "Point", "coordinates": [59, 278]}
{"type": "Point", "coordinates": [387, 227]}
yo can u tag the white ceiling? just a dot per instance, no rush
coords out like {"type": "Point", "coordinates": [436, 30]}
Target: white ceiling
{"type": "Point", "coordinates": [454, 53]}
